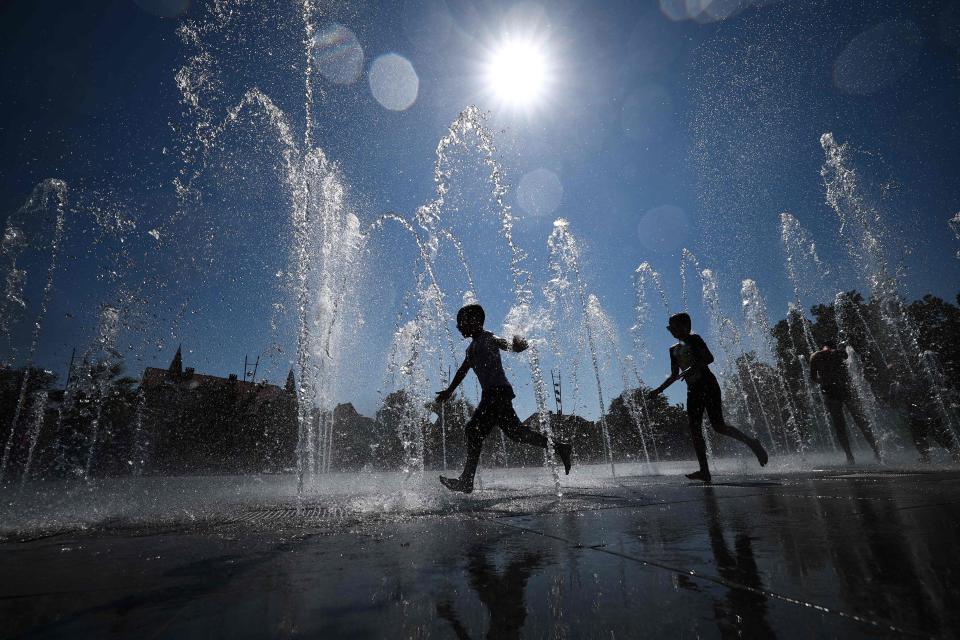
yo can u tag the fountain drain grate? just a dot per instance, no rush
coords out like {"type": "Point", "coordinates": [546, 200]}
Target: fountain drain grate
{"type": "Point", "coordinates": [291, 515]}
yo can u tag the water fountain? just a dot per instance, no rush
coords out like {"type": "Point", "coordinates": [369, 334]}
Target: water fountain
{"type": "Point", "coordinates": [328, 251]}
{"type": "Point", "coordinates": [758, 328]}
{"type": "Point", "coordinates": [521, 319]}
{"type": "Point", "coordinates": [955, 225]}
{"type": "Point", "coordinates": [325, 233]}
{"type": "Point", "coordinates": [687, 259]}
{"type": "Point", "coordinates": [862, 229]}
{"type": "Point", "coordinates": [731, 344]}
{"type": "Point", "coordinates": [106, 344]}
{"type": "Point", "coordinates": [566, 289]}
{"type": "Point", "coordinates": [605, 329]}
{"type": "Point", "coordinates": [645, 277]}
{"type": "Point", "coordinates": [806, 273]}
{"type": "Point", "coordinates": [467, 131]}
{"type": "Point", "coordinates": [26, 228]}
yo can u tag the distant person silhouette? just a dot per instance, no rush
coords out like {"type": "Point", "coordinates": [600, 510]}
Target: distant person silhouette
{"type": "Point", "coordinates": [689, 360]}
{"type": "Point", "coordinates": [496, 399]}
{"type": "Point", "coordinates": [917, 402]}
{"type": "Point", "coordinates": [828, 368]}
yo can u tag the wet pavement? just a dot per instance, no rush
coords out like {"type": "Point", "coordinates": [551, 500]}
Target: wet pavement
{"type": "Point", "coordinates": [828, 553]}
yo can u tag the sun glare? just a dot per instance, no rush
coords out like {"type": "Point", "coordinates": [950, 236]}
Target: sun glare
{"type": "Point", "coordinates": [518, 72]}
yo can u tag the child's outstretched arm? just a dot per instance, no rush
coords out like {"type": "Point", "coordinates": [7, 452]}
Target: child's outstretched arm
{"type": "Point", "coordinates": [673, 377]}
{"type": "Point", "coordinates": [443, 396]}
{"type": "Point", "coordinates": [519, 344]}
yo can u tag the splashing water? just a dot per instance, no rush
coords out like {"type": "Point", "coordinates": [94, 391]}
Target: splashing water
{"type": "Point", "coordinates": [639, 414]}
{"type": "Point", "coordinates": [758, 328]}
{"type": "Point", "coordinates": [38, 411]}
{"type": "Point", "coordinates": [567, 281]}
{"type": "Point", "coordinates": [645, 277]}
{"type": "Point", "coordinates": [467, 131]}
{"type": "Point", "coordinates": [731, 345]}
{"type": "Point", "coordinates": [804, 267]}
{"type": "Point", "coordinates": [860, 224]}
{"type": "Point", "coordinates": [801, 339]}
{"type": "Point", "coordinates": [140, 442]}
{"type": "Point", "coordinates": [862, 228]}
{"type": "Point", "coordinates": [955, 225]}
{"type": "Point", "coordinates": [106, 345]}
{"type": "Point", "coordinates": [327, 244]}
{"type": "Point", "coordinates": [405, 363]}
{"type": "Point", "coordinates": [326, 238]}
{"type": "Point", "coordinates": [687, 258]}
{"type": "Point", "coordinates": [49, 194]}
{"type": "Point", "coordinates": [883, 433]}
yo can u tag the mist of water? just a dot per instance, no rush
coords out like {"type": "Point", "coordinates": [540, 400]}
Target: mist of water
{"type": "Point", "coordinates": [757, 322]}
{"type": "Point", "coordinates": [567, 289]}
{"type": "Point", "coordinates": [326, 263]}
{"type": "Point", "coordinates": [861, 226]}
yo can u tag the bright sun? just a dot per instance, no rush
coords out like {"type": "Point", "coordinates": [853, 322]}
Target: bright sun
{"type": "Point", "coordinates": [517, 72]}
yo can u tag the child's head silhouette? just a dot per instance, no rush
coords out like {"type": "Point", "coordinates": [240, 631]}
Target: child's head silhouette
{"type": "Point", "coordinates": [470, 320]}
{"type": "Point", "coordinates": [679, 325]}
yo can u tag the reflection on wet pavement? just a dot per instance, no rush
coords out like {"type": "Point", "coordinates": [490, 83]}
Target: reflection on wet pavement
{"type": "Point", "coordinates": [502, 593]}
{"type": "Point", "coordinates": [744, 610]}
{"type": "Point", "coordinates": [790, 556]}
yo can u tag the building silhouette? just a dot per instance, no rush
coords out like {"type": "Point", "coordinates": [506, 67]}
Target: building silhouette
{"type": "Point", "coordinates": [198, 423]}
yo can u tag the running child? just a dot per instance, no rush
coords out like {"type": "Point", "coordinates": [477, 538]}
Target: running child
{"type": "Point", "coordinates": [496, 399]}
{"type": "Point", "coordinates": [689, 360]}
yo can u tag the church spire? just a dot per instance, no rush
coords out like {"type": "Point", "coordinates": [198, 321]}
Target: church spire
{"type": "Point", "coordinates": [176, 367]}
{"type": "Point", "coordinates": [291, 385]}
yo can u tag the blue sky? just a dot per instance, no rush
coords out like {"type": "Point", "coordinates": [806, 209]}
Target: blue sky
{"type": "Point", "coordinates": [663, 130]}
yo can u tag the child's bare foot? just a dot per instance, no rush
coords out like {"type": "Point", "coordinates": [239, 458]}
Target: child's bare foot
{"type": "Point", "coordinates": [456, 484]}
{"type": "Point", "coordinates": [563, 450]}
{"type": "Point", "coordinates": [700, 475]}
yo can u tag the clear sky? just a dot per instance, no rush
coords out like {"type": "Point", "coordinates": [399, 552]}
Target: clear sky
{"type": "Point", "coordinates": [651, 126]}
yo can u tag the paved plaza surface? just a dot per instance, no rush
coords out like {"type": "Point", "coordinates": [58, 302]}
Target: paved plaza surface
{"type": "Point", "coordinates": [827, 553]}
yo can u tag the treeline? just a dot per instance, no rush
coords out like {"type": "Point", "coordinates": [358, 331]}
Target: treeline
{"type": "Point", "coordinates": [46, 432]}
{"type": "Point", "coordinates": [892, 341]}
{"type": "Point", "coordinates": [392, 439]}
{"type": "Point", "coordinates": [99, 431]}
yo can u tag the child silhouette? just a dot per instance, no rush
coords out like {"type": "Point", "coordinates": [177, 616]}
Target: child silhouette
{"type": "Point", "coordinates": [690, 359]}
{"type": "Point", "coordinates": [496, 400]}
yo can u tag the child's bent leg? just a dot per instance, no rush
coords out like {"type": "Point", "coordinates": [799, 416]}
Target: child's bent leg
{"type": "Point", "coordinates": [511, 425]}
{"type": "Point", "coordinates": [715, 413]}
